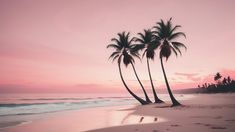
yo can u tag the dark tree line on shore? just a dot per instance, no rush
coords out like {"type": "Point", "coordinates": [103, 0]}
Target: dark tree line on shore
{"type": "Point", "coordinates": [221, 85]}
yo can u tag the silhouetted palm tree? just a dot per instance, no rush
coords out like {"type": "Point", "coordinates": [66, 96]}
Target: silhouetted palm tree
{"type": "Point", "coordinates": [148, 43]}
{"type": "Point", "coordinates": [217, 76]}
{"type": "Point", "coordinates": [166, 34]}
{"type": "Point", "coordinates": [229, 79]}
{"type": "Point", "coordinates": [123, 52]}
{"type": "Point", "coordinates": [225, 81]}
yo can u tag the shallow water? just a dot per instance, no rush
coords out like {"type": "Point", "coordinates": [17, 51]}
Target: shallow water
{"type": "Point", "coordinates": [16, 109]}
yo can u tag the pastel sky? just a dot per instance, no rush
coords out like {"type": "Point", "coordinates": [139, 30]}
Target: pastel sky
{"type": "Point", "coordinates": [60, 45]}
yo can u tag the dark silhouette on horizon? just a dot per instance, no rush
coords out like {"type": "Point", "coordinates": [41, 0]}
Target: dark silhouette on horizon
{"type": "Point", "coordinates": [224, 86]}
{"type": "Point", "coordinates": [217, 77]}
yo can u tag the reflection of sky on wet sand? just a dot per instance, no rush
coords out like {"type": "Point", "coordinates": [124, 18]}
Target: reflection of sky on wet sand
{"type": "Point", "coordinates": [126, 117]}
{"type": "Point", "coordinates": [123, 116]}
{"type": "Point", "coordinates": [86, 120]}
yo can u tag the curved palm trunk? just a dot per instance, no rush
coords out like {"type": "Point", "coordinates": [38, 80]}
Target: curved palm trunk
{"type": "Point", "coordinates": [174, 101]}
{"type": "Point", "coordinates": [146, 96]}
{"type": "Point", "coordinates": [157, 100]}
{"type": "Point", "coordinates": [135, 96]}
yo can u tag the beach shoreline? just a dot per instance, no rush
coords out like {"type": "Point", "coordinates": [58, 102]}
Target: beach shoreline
{"type": "Point", "coordinates": [204, 112]}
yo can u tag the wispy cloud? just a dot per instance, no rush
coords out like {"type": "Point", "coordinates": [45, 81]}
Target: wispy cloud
{"type": "Point", "coordinates": [189, 76]}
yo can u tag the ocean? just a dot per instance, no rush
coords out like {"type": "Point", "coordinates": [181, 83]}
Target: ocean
{"type": "Point", "coordinates": [16, 109]}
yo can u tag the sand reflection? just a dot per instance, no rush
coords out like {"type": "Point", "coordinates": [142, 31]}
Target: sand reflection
{"type": "Point", "coordinates": [126, 117]}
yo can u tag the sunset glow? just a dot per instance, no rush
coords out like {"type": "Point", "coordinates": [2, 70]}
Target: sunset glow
{"type": "Point", "coordinates": [48, 47]}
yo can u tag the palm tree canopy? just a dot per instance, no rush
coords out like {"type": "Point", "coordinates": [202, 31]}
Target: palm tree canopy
{"type": "Point", "coordinates": [166, 33]}
{"type": "Point", "coordinates": [124, 48]}
{"type": "Point", "coordinates": [148, 41]}
{"type": "Point", "coordinates": [217, 76]}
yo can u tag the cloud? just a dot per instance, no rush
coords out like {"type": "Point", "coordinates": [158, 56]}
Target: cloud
{"type": "Point", "coordinates": [186, 74]}
{"type": "Point", "coordinates": [224, 72]}
{"type": "Point", "coordinates": [189, 76]}
{"type": "Point", "coordinates": [197, 79]}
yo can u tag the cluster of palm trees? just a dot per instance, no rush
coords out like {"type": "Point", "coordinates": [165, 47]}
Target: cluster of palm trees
{"type": "Point", "coordinates": [220, 86]}
{"type": "Point", "coordinates": [161, 37]}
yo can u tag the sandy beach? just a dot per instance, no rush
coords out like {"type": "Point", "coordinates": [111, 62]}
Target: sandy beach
{"type": "Point", "coordinates": [203, 112]}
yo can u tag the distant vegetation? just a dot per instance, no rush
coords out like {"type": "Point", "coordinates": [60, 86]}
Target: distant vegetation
{"type": "Point", "coordinates": [221, 85]}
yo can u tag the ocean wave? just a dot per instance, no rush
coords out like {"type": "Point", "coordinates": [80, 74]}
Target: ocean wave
{"type": "Point", "coordinates": [56, 103]}
{"type": "Point", "coordinates": [12, 109]}
{"type": "Point", "coordinates": [35, 99]}
{"type": "Point", "coordinates": [7, 124]}
{"type": "Point", "coordinates": [58, 99]}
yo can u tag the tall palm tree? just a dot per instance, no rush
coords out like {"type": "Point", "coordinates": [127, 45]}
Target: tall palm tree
{"type": "Point", "coordinates": [147, 42]}
{"type": "Point", "coordinates": [123, 52]}
{"type": "Point", "coordinates": [166, 34]}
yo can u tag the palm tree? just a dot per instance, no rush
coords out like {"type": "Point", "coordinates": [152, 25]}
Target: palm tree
{"type": "Point", "coordinates": [148, 43]}
{"type": "Point", "coordinates": [123, 52]}
{"type": "Point", "coordinates": [229, 79]}
{"type": "Point", "coordinates": [166, 34]}
{"type": "Point", "coordinates": [217, 76]}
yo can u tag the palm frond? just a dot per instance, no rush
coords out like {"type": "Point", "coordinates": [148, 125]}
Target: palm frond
{"type": "Point", "coordinates": [168, 27]}
{"type": "Point", "coordinates": [126, 38]}
{"type": "Point", "coordinates": [144, 53]}
{"type": "Point", "coordinates": [158, 28]}
{"type": "Point", "coordinates": [132, 40]}
{"type": "Point", "coordinates": [113, 54]}
{"type": "Point", "coordinates": [175, 35]}
{"type": "Point", "coordinates": [117, 47]}
{"type": "Point", "coordinates": [136, 55]}
{"type": "Point", "coordinates": [173, 49]}
{"type": "Point", "coordinates": [163, 29]}
{"type": "Point", "coordinates": [121, 39]}
{"type": "Point", "coordinates": [115, 57]}
{"type": "Point", "coordinates": [137, 47]}
{"type": "Point", "coordinates": [175, 28]}
{"type": "Point", "coordinates": [178, 44]}
{"type": "Point", "coordinates": [141, 35]}
{"type": "Point", "coordinates": [139, 40]}
{"type": "Point", "coordinates": [177, 48]}
{"type": "Point", "coordinates": [115, 40]}
{"type": "Point", "coordinates": [161, 23]}
{"type": "Point", "coordinates": [156, 37]}
{"type": "Point", "coordinates": [153, 46]}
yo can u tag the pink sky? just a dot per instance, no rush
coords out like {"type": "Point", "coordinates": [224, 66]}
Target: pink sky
{"type": "Point", "coordinates": [60, 45]}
